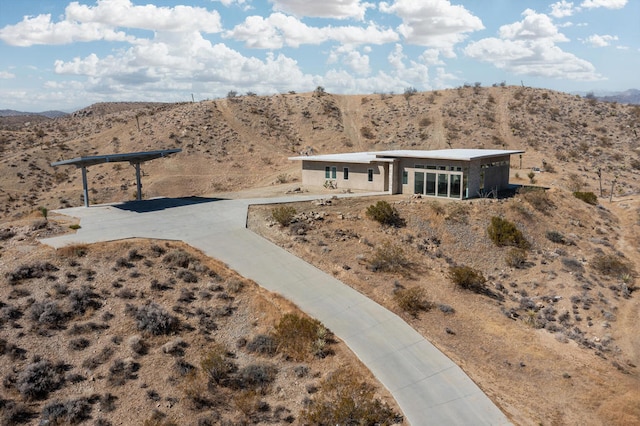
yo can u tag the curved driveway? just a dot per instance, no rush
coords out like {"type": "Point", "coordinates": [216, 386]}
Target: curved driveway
{"type": "Point", "coordinates": [429, 388]}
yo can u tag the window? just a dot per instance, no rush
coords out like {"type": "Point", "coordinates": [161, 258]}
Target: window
{"type": "Point", "coordinates": [418, 166]}
{"type": "Point", "coordinates": [431, 184]}
{"type": "Point", "coordinates": [327, 172]}
{"type": "Point", "coordinates": [418, 183]}
{"type": "Point", "coordinates": [370, 175]}
{"type": "Point", "coordinates": [405, 177]}
{"type": "Point", "coordinates": [345, 173]}
{"type": "Point", "coordinates": [334, 172]}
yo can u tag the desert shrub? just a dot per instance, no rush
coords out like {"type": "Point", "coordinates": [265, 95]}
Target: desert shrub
{"type": "Point", "coordinates": [504, 233]}
{"type": "Point", "coordinates": [13, 413]}
{"type": "Point", "coordinates": [175, 347]}
{"type": "Point", "coordinates": [344, 400]}
{"type": "Point", "coordinates": [611, 265]}
{"type": "Point", "coordinates": [39, 378]}
{"type": "Point", "coordinates": [538, 199]}
{"type": "Point", "coordinates": [467, 278]}
{"type": "Point", "coordinates": [74, 250]}
{"type": "Point", "coordinates": [98, 359]}
{"type": "Point", "coordinates": [385, 214]}
{"type": "Point", "coordinates": [283, 214]}
{"type": "Point", "coordinates": [15, 352]}
{"type": "Point", "coordinates": [182, 367]}
{"type": "Point", "coordinates": [27, 272]}
{"type": "Point", "coordinates": [255, 376]}
{"type": "Point", "coordinates": [82, 299]}
{"type": "Point", "coordinates": [389, 257]}
{"type": "Point", "coordinates": [187, 276]}
{"type": "Point", "coordinates": [158, 418]}
{"type": "Point", "coordinates": [138, 345]}
{"type": "Point", "coordinates": [86, 327]}
{"type": "Point", "coordinates": [263, 344]}
{"type": "Point", "coordinates": [79, 344]}
{"type": "Point", "coordinates": [122, 370]}
{"type": "Point", "coordinates": [234, 285]}
{"type": "Point", "coordinates": [470, 279]}
{"type": "Point", "coordinates": [107, 402]}
{"type": "Point", "coordinates": [516, 258]}
{"type": "Point", "coordinates": [587, 197]}
{"type": "Point", "coordinates": [301, 336]}
{"type": "Point", "coordinates": [178, 259]}
{"type": "Point", "coordinates": [153, 318]}
{"type": "Point", "coordinates": [69, 412]}
{"type": "Point", "coordinates": [555, 237]}
{"type": "Point", "coordinates": [413, 300]}
{"type": "Point", "coordinates": [47, 313]}
{"type": "Point", "coordinates": [217, 366]}
{"type": "Point", "coordinates": [6, 234]}
{"type": "Point", "coordinates": [571, 264]}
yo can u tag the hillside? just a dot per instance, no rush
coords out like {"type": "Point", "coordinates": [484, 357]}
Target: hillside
{"type": "Point", "coordinates": [243, 142]}
{"type": "Point", "coordinates": [550, 337]}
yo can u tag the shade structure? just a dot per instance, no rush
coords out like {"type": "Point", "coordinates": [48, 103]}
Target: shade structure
{"type": "Point", "coordinates": [133, 158]}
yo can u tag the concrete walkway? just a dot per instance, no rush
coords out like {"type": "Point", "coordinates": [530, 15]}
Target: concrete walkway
{"type": "Point", "coordinates": [430, 388]}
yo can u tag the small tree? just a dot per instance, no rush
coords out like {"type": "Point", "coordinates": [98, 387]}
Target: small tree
{"type": "Point", "coordinates": [587, 197]}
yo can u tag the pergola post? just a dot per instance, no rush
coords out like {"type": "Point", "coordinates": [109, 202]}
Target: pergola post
{"type": "Point", "coordinates": [85, 186]}
{"type": "Point", "coordinates": [138, 182]}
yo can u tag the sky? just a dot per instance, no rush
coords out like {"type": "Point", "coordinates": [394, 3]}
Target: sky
{"type": "Point", "coordinates": [66, 55]}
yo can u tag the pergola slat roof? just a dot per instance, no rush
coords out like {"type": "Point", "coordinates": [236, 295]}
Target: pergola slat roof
{"type": "Point", "coordinates": [133, 158]}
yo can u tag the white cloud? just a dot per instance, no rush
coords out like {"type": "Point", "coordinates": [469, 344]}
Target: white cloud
{"type": "Point", "coordinates": [608, 4]}
{"type": "Point", "coordinates": [101, 22]}
{"type": "Point", "coordinates": [604, 40]}
{"type": "Point", "coordinates": [534, 26]}
{"type": "Point", "coordinates": [529, 47]}
{"type": "Point", "coordinates": [433, 23]}
{"type": "Point", "coordinates": [5, 75]}
{"type": "Point", "coordinates": [337, 9]}
{"type": "Point", "coordinates": [562, 9]}
{"type": "Point", "coordinates": [280, 30]}
{"type": "Point", "coordinates": [354, 60]}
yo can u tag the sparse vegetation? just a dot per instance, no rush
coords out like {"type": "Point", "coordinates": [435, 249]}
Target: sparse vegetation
{"type": "Point", "coordinates": [504, 233]}
{"type": "Point", "coordinates": [153, 318]}
{"type": "Point", "coordinates": [413, 300]}
{"type": "Point", "coordinates": [283, 215]}
{"type": "Point", "coordinates": [385, 214]}
{"type": "Point", "coordinates": [389, 257]}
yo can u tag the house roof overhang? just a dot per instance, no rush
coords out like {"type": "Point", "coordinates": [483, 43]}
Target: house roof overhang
{"type": "Point", "coordinates": [390, 156]}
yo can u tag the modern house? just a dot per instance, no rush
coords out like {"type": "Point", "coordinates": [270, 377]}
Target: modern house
{"type": "Point", "coordinates": [447, 173]}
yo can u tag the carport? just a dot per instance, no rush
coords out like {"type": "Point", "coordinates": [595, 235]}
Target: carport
{"type": "Point", "coordinates": [133, 158]}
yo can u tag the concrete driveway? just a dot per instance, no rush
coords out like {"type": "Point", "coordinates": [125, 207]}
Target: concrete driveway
{"type": "Point", "coordinates": [428, 386]}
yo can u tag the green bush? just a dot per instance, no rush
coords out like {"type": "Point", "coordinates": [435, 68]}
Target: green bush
{"type": "Point", "coordinates": [587, 197]}
{"type": "Point", "coordinates": [385, 214]}
{"type": "Point", "coordinates": [283, 214]}
{"type": "Point", "coordinates": [412, 300]}
{"type": "Point", "coordinates": [504, 233]}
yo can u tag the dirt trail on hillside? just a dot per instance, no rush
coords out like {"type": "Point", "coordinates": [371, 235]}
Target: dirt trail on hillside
{"type": "Point", "coordinates": [351, 113]}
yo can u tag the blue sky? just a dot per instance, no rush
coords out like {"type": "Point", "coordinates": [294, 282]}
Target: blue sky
{"type": "Point", "coordinates": [65, 55]}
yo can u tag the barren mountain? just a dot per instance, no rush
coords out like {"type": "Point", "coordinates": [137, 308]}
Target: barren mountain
{"type": "Point", "coordinates": [549, 337]}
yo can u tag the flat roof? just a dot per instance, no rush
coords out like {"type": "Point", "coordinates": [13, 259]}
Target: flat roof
{"type": "Point", "coordinates": [131, 157]}
{"type": "Point", "coordinates": [388, 156]}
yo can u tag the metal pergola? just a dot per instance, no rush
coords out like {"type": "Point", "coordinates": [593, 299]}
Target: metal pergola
{"type": "Point", "coordinates": [133, 158]}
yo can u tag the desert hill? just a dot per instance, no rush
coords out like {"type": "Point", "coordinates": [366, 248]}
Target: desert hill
{"type": "Point", "coordinates": [243, 141]}
{"type": "Point", "coordinates": [551, 338]}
